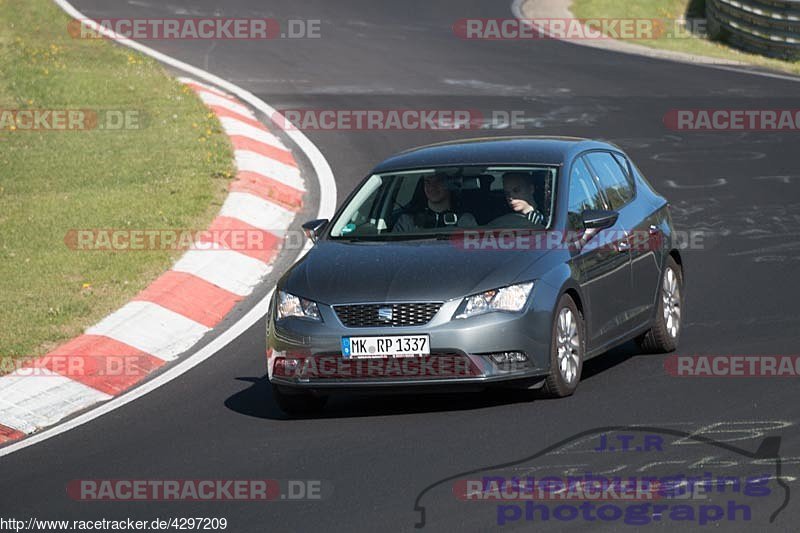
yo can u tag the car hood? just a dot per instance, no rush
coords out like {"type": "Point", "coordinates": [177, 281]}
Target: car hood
{"type": "Point", "coordinates": [351, 272]}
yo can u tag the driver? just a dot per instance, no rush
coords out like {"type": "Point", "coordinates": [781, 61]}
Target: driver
{"type": "Point", "coordinates": [441, 209]}
{"type": "Point", "coordinates": [519, 189]}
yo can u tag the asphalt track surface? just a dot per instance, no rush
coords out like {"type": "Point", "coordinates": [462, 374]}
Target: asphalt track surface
{"type": "Point", "coordinates": [218, 421]}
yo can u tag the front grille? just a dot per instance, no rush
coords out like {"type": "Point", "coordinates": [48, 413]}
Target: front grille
{"type": "Point", "coordinates": [375, 315]}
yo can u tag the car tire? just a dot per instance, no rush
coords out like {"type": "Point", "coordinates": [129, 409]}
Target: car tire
{"type": "Point", "coordinates": [666, 331]}
{"type": "Point", "coordinates": [302, 403]}
{"type": "Point", "coordinates": [566, 350]}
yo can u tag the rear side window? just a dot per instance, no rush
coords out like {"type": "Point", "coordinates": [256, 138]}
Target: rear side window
{"type": "Point", "coordinates": [614, 178]}
{"type": "Point", "coordinates": [623, 163]}
{"type": "Point", "coordinates": [583, 194]}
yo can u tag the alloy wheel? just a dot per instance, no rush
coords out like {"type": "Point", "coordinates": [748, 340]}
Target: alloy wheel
{"type": "Point", "coordinates": [671, 298]}
{"type": "Point", "coordinates": [568, 345]}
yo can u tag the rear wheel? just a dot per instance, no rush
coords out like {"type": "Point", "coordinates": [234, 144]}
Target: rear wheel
{"type": "Point", "coordinates": [566, 350]}
{"type": "Point", "coordinates": [302, 403]}
{"type": "Point", "coordinates": [663, 336]}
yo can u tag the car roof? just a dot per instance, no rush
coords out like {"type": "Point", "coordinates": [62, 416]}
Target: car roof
{"type": "Point", "coordinates": [527, 150]}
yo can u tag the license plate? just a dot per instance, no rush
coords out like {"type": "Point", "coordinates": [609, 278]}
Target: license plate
{"type": "Point", "coordinates": [374, 347]}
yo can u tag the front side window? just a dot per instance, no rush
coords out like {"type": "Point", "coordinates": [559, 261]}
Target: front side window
{"type": "Point", "coordinates": [583, 194]}
{"type": "Point", "coordinates": [614, 178]}
{"type": "Point", "coordinates": [423, 202]}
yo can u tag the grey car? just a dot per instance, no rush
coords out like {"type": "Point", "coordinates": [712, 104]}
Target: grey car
{"type": "Point", "coordinates": [477, 263]}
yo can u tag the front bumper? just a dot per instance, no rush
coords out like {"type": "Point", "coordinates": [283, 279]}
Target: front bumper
{"type": "Point", "coordinates": [333, 372]}
{"type": "Point", "coordinates": [304, 354]}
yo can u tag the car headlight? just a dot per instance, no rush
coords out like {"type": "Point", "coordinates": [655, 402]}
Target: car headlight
{"type": "Point", "coordinates": [291, 305]}
{"type": "Point", "coordinates": [510, 299]}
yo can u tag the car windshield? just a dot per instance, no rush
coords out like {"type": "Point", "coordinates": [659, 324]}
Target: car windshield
{"type": "Point", "coordinates": [435, 201]}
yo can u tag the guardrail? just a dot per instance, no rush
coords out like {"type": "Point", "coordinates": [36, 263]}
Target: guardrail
{"type": "Point", "coordinates": [767, 27]}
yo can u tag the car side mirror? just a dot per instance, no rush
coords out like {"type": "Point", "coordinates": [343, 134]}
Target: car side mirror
{"type": "Point", "coordinates": [599, 218]}
{"type": "Point", "coordinates": [313, 228]}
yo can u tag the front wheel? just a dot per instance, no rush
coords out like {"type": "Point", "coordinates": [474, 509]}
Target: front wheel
{"type": "Point", "coordinates": [663, 336]}
{"type": "Point", "coordinates": [566, 350]}
{"type": "Point", "coordinates": [302, 403]}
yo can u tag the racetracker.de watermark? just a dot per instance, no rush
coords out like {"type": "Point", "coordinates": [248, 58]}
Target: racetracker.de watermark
{"type": "Point", "coordinates": [557, 499]}
{"type": "Point", "coordinates": [77, 366]}
{"type": "Point", "coordinates": [400, 119]}
{"type": "Point", "coordinates": [569, 29]}
{"type": "Point", "coordinates": [209, 490]}
{"type": "Point", "coordinates": [440, 366]}
{"type": "Point", "coordinates": [733, 366]}
{"type": "Point", "coordinates": [610, 240]}
{"type": "Point", "coordinates": [737, 120]}
{"type": "Point", "coordinates": [587, 488]}
{"type": "Point", "coordinates": [182, 239]}
{"type": "Point", "coordinates": [71, 119]}
{"type": "Point", "coordinates": [212, 28]}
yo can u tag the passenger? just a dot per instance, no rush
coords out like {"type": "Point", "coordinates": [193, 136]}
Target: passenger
{"type": "Point", "coordinates": [441, 209]}
{"type": "Point", "coordinates": [519, 189]}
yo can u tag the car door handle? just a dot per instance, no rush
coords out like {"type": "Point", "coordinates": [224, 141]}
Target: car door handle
{"type": "Point", "coordinates": [623, 246]}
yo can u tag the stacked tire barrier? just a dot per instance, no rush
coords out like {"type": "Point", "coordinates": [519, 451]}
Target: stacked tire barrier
{"type": "Point", "coordinates": [767, 27]}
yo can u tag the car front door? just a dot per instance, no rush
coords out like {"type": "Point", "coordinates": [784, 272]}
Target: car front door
{"type": "Point", "coordinates": [602, 264]}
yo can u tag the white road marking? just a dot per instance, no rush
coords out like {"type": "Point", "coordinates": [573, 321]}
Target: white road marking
{"type": "Point", "coordinates": [253, 162]}
{"type": "Point", "coordinates": [719, 182]}
{"type": "Point", "coordinates": [151, 328]}
{"type": "Point", "coordinates": [33, 399]}
{"type": "Point", "coordinates": [212, 99]}
{"type": "Point", "coordinates": [257, 212]}
{"type": "Point", "coordinates": [228, 269]}
{"type": "Point", "coordinates": [237, 127]}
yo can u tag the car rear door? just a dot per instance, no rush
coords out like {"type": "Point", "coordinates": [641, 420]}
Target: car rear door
{"type": "Point", "coordinates": [616, 182]}
{"type": "Point", "coordinates": [601, 265]}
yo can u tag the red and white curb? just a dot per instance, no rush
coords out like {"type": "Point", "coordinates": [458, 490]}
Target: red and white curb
{"type": "Point", "coordinates": [174, 312]}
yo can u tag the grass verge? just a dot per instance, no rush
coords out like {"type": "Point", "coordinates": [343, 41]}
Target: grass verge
{"type": "Point", "coordinates": [171, 172]}
{"type": "Point", "coordinates": [672, 10]}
